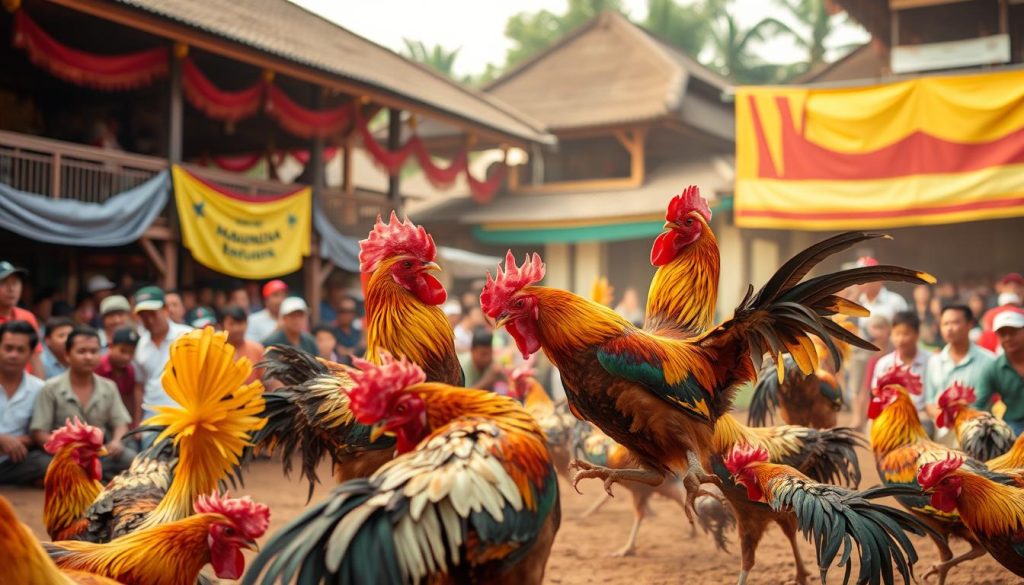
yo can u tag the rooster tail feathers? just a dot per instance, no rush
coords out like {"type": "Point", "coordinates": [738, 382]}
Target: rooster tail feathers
{"type": "Point", "coordinates": [800, 265]}
{"type": "Point", "coordinates": [290, 366]}
{"type": "Point", "coordinates": [831, 456]}
{"type": "Point", "coordinates": [765, 398]}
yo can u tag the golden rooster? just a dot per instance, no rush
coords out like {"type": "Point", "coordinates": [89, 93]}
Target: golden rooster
{"type": "Point", "coordinates": [198, 447]}
{"type": "Point", "coordinates": [994, 512]}
{"type": "Point", "coordinates": [834, 518]}
{"type": "Point", "coordinates": [72, 479]}
{"type": "Point", "coordinates": [979, 434]}
{"type": "Point", "coordinates": [472, 496]}
{"type": "Point", "coordinates": [660, 396]}
{"type": "Point", "coordinates": [25, 562]}
{"type": "Point", "coordinates": [174, 553]}
{"type": "Point", "coordinates": [310, 414]}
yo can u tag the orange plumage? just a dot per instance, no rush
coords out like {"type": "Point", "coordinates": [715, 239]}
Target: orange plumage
{"type": "Point", "coordinates": [72, 479]}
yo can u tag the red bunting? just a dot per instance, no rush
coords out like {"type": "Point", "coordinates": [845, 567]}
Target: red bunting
{"type": "Point", "coordinates": [483, 191]}
{"type": "Point", "coordinates": [439, 177]}
{"type": "Point", "coordinates": [229, 106]}
{"type": "Point", "coordinates": [303, 122]}
{"type": "Point", "coordinates": [104, 72]}
{"type": "Point", "coordinates": [391, 160]}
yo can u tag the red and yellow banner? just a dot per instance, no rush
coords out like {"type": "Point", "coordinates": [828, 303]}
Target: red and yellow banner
{"type": "Point", "coordinates": [919, 152]}
{"type": "Point", "coordinates": [241, 235]}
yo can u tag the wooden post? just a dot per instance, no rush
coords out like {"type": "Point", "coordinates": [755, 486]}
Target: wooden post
{"type": "Point", "coordinates": [349, 207]}
{"type": "Point", "coordinates": [1004, 18]}
{"type": "Point", "coordinates": [176, 116]}
{"type": "Point", "coordinates": [55, 186]}
{"type": "Point", "coordinates": [171, 262]}
{"type": "Point", "coordinates": [312, 281]}
{"type": "Point", "coordinates": [394, 137]}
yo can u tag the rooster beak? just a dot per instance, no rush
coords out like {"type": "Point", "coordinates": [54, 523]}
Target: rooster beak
{"type": "Point", "coordinates": [251, 545]}
{"type": "Point", "coordinates": [668, 225]}
{"type": "Point", "coordinates": [502, 320]}
{"type": "Point", "coordinates": [102, 452]}
{"type": "Point", "coordinates": [431, 267]}
{"type": "Point", "coordinates": [376, 431]}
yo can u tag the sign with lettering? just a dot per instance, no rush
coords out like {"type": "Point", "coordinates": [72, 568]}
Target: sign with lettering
{"type": "Point", "coordinates": [245, 236]}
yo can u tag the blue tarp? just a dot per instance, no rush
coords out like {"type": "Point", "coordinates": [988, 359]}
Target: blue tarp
{"type": "Point", "coordinates": [120, 220]}
{"type": "Point", "coordinates": [340, 249]}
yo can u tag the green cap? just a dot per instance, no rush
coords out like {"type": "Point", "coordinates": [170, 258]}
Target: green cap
{"type": "Point", "coordinates": [149, 298]}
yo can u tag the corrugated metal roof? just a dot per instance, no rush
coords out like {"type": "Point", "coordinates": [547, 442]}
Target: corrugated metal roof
{"type": "Point", "coordinates": [291, 32]}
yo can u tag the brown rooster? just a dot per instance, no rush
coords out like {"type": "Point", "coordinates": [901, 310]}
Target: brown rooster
{"type": "Point", "coordinates": [979, 434]}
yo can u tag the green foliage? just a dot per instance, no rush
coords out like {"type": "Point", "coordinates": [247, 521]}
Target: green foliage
{"type": "Point", "coordinates": [684, 27]}
{"type": "Point", "coordinates": [534, 32]}
{"type": "Point", "coordinates": [437, 57]}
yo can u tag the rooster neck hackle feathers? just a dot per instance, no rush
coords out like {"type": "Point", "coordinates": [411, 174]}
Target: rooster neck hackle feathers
{"type": "Point", "coordinates": [683, 292]}
{"type": "Point", "coordinates": [23, 559]}
{"type": "Point", "coordinates": [216, 416]}
{"type": "Point", "coordinates": [570, 323]}
{"type": "Point", "coordinates": [1012, 459]}
{"type": "Point", "coordinates": [898, 425]}
{"type": "Point", "coordinates": [69, 492]}
{"type": "Point", "coordinates": [990, 508]}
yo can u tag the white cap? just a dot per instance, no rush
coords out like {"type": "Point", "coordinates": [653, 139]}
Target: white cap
{"type": "Point", "coordinates": [1008, 298]}
{"type": "Point", "coordinates": [99, 282]}
{"type": "Point", "coordinates": [292, 305]}
{"type": "Point", "coordinates": [1013, 319]}
{"type": "Point", "coordinates": [452, 308]}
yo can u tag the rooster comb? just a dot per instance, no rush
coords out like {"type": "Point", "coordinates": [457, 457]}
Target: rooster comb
{"type": "Point", "coordinates": [374, 385]}
{"type": "Point", "coordinates": [900, 376]}
{"type": "Point", "coordinates": [932, 473]}
{"type": "Point", "coordinates": [395, 238]}
{"type": "Point", "coordinates": [74, 431]}
{"type": "Point", "coordinates": [743, 455]}
{"type": "Point", "coordinates": [251, 518]}
{"type": "Point", "coordinates": [499, 289]}
{"type": "Point", "coordinates": [957, 392]}
{"type": "Point", "coordinates": [687, 201]}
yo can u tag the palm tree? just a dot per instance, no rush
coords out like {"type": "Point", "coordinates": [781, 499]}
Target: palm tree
{"type": "Point", "coordinates": [821, 24]}
{"type": "Point", "coordinates": [536, 31]}
{"type": "Point", "coordinates": [684, 27]}
{"type": "Point", "coordinates": [436, 57]}
{"type": "Point", "coordinates": [731, 46]}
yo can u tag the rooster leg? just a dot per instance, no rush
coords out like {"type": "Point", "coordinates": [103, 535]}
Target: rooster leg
{"type": "Point", "coordinates": [693, 491]}
{"type": "Point", "coordinates": [586, 470]}
{"type": "Point", "coordinates": [789, 528]}
{"type": "Point", "coordinates": [639, 505]}
{"type": "Point", "coordinates": [697, 470]}
{"type": "Point", "coordinates": [595, 506]}
{"type": "Point", "coordinates": [942, 568]}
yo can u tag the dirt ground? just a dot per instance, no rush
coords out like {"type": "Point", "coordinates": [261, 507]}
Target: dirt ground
{"type": "Point", "coordinates": [666, 553]}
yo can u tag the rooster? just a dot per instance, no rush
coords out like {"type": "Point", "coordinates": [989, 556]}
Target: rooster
{"type": "Point", "coordinates": [901, 446]}
{"type": "Point", "coordinates": [827, 456]}
{"type": "Point", "coordinates": [199, 446]}
{"type": "Point", "coordinates": [660, 396]}
{"type": "Point", "coordinates": [994, 512]}
{"type": "Point", "coordinates": [472, 496]}
{"type": "Point", "coordinates": [310, 415]}
{"type": "Point", "coordinates": [73, 478]}
{"type": "Point", "coordinates": [556, 422]}
{"type": "Point", "coordinates": [832, 517]}
{"type": "Point", "coordinates": [811, 400]}
{"type": "Point", "coordinates": [25, 562]}
{"type": "Point", "coordinates": [1011, 461]}
{"type": "Point", "coordinates": [174, 553]}
{"type": "Point", "coordinates": [980, 435]}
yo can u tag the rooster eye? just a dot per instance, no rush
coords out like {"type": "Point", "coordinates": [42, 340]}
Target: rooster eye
{"type": "Point", "coordinates": [519, 304]}
{"type": "Point", "coordinates": [229, 531]}
{"type": "Point", "coordinates": [400, 409]}
{"type": "Point", "coordinates": [407, 264]}
{"type": "Point", "coordinates": [689, 221]}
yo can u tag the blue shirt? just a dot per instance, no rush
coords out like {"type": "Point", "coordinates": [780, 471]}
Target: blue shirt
{"type": "Point", "coordinates": [942, 371]}
{"type": "Point", "coordinates": [51, 367]}
{"type": "Point", "coordinates": [16, 411]}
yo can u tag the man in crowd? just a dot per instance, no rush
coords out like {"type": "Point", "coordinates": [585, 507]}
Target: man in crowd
{"type": "Point", "coordinates": [263, 323]}
{"type": "Point", "coordinates": [80, 392]}
{"type": "Point", "coordinates": [201, 317]}
{"type": "Point", "coordinates": [234, 321]}
{"type": "Point", "coordinates": [292, 332]}
{"type": "Point", "coordinates": [100, 287]}
{"type": "Point", "coordinates": [55, 358]}
{"type": "Point", "coordinates": [479, 366]}
{"type": "Point", "coordinates": [348, 335]}
{"type": "Point", "coordinates": [116, 364]}
{"type": "Point", "coordinates": [238, 295]}
{"type": "Point", "coordinates": [1005, 375]}
{"type": "Point", "coordinates": [115, 312]}
{"type": "Point", "coordinates": [326, 342]}
{"type": "Point", "coordinates": [175, 306]}
{"type": "Point", "coordinates": [152, 353]}
{"type": "Point", "coordinates": [10, 293]}
{"type": "Point", "coordinates": [20, 463]}
{"type": "Point", "coordinates": [878, 299]}
{"type": "Point", "coordinates": [959, 360]}
{"type": "Point", "coordinates": [906, 331]}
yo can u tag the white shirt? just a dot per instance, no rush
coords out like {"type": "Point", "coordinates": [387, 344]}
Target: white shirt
{"type": "Point", "coordinates": [918, 366]}
{"type": "Point", "coordinates": [16, 411]}
{"type": "Point", "coordinates": [150, 360]}
{"type": "Point", "coordinates": [886, 304]}
{"type": "Point", "coordinates": [260, 325]}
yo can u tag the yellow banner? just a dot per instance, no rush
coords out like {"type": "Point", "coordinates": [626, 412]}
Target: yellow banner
{"type": "Point", "coordinates": [925, 151]}
{"type": "Point", "coordinates": [239, 235]}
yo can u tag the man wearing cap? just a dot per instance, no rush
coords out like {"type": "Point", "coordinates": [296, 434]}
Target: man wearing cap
{"type": "Point", "coordinates": [1005, 375]}
{"type": "Point", "coordinates": [115, 312]}
{"type": "Point", "coordinates": [116, 364]}
{"type": "Point", "coordinates": [263, 323]}
{"type": "Point", "coordinates": [1011, 294]}
{"type": "Point", "coordinates": [201, 317]}
{"type": "Point", "coordinates": [292, 332]}
{"type": "Point", "coordinates": [11, 281]}
{"type": "Point", "coordinates": [152, 353]}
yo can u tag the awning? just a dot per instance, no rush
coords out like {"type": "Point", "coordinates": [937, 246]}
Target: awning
{"type": "Point", "coordinates": [463, 263]}
{"type": "Point", "coordinates": [925, 151]}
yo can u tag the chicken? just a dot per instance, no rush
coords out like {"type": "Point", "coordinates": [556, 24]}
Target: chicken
{"type": "Point", "coordinates": [199, 446]}
{"type": "Point", "coordinates": [980, 435]}
{"type": "Point", "coordinates": [73, 478]}
{"type": "Point", "coordinates": [309, 415]}
{"type": "Point", "coordinates": [827, 456]}
{"type": "Point", "coordinates": [994, 512]}
{"type": "Point", "coordinates": [901, 446]}
{"type": "Point", "coordinates": [660, 396]}
{"type": "Point", "coordinates": [811, 400]}
{"type": "Point", "coordinates": [554, 419]}
{"type": "Point", "coordinates": [1011, 461]}
{"type": "Point", "coordinates": [472, 496]}
{"type": "Point", "coordinates": [25, 562]}
{"type": "Point", "coordinates": [175, 552]}
{"type": "Point", "coordinates": [834, 518]}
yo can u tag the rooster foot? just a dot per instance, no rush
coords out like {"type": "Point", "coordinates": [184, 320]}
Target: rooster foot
{"type": "Point", "coordinates": [586, 470]}
{"type": "Point", "coordinates": [692, 483]}
{"type": "Point", "coordinates": [623, 552]}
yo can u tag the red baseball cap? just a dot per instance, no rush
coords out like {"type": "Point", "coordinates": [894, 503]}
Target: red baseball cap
{"type": "Point", "coordinates": [1014, 277]}
{"type": "Point", "coordinates": [274, 286]}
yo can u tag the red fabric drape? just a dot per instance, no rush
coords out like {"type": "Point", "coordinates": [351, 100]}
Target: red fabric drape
{"type": "Point", "coordinates": [230, 106]}
{"type": "Point", "coordinates": [105, 72]}
{"type": "Point", "coordinates": [438, 176]}
{"type": "Point", "coordinates": [303, 122]}
{"type": "Point", "coordinates": [239, 163]}
{"type": "Point", "coordinates": [483, 191]}
{"type": "Point", "coordinates": [303, 155]}
{"type": "Point", "coordinates": [391, 160]}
